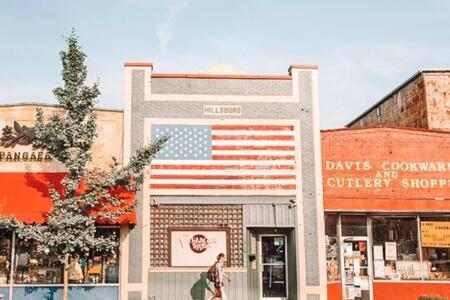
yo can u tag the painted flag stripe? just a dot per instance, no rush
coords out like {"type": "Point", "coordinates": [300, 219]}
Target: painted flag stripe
{"type": "Point", "coordinates": [216, 177]}
{"type": "Point", "coordinates": [250, 132]}
{"type": "Point", "coordinates": [254, 127]}
{"type": "Point", "coordinates": [224, 167]}
{"type": "Point", "coordinates": [252, 143]}
{"type": "Point", "coordinates": [261, 172]}
{"type": "Point", "coordinates": [224, 186]}
{"type": "Point", "coordinates": [253, 157]}
{"type": "Point", "coordinates": [229, 147]}
{"type": "Point", "coordinates": [254, 137]}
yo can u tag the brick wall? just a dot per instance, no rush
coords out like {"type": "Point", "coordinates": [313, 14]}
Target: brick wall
{"type": "Point", "coordinates": [107, 145]}
{"type": "Point", "coordinates": [247, 87]}
{"type": "Point", "coordinates": [374, 164]}
{"type": "Point", "coordinates": [437, 87]}
{"type": "Point", "coordinates": [405, 107]}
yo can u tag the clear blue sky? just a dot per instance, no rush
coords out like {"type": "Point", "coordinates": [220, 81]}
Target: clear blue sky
{"type": "Point", "coordinates": [364, 48]}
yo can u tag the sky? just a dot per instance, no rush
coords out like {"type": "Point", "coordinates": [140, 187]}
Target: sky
{"type": "Point", "coordinates": [364, 48]}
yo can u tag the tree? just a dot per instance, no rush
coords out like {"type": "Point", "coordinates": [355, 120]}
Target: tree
{"type": "Point", "coordinates": [88, 194]}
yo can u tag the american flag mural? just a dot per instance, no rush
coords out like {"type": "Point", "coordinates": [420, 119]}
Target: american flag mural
{"type": "Point", "coordinates": [225, 157]}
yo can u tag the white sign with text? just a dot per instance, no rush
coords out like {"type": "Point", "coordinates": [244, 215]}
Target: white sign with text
{"type": "Point", "coordinates": [196, 248]}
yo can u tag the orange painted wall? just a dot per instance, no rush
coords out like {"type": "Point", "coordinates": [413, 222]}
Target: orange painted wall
{"type": "Point", "coordinates": [408, 291]}
{"type": "Point", "coordinates": [378, 147]}
{"type": "Point", "coordinates": [396, 290]}
{"type": "Point", "coordinates": [334, 290]}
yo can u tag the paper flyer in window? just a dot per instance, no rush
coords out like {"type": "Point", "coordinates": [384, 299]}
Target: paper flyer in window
{"type": "Point", "coordinates": [390, 250]}
{"type": "Point", "coordinates": [357, 281]}
{"type": "Point", "coordinates": [378, 252]}
{"type": "Point", "coordinates": [350, 292]}
{"type": "Point", "coordinates": [348, 249]}
{"type": "Point", "coordinates": [379, 269]}
{"type": "Point", "coordinates": [356, 265]}
{"type": "Point", "coordinates": [364, 283]}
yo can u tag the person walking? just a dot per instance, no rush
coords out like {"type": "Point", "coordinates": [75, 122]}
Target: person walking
{"type": "Point", "coordinates": [219, 286]}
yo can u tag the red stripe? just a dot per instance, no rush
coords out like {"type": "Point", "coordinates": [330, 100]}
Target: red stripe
{"type": "Point", "coordinates": [213, 177]}
{"type": "Point", "coordinates": [223, 167]}
{"type": "Point", "coordinates": [253, 157]}
{"type": "Point", "coordinates": [254, 127]}
{"type": "Point", "coordinates": [224, 186]}
{"type": "Point", "coordinates": [254, 137]}
{"type": "Point", "coordinates": [282, 148]}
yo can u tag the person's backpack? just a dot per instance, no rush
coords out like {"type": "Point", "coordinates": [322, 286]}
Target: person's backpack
{"type": "Point", "coordinates": [212, 273]}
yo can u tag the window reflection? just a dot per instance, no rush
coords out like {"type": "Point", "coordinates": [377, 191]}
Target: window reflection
{"type": "Point", "coordinates": [5, 256]}
{"type": "Point", "coordinates": [34, 265]}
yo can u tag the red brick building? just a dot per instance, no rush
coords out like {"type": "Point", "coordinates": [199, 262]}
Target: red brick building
{"type": "Point", "coordinates": [387, 207]}
{"type": "Point", "coordinates": [422, 101]}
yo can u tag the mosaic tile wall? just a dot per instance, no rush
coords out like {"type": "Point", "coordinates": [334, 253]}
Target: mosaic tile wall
{"type": "Point", "coordinates": [193, 215]}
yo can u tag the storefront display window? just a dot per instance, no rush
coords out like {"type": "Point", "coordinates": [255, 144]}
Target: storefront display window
{"type": "Point", "coordinates": [435, 238]}
{"type": "Point", "coordinates": [354, 225]}
{"type": "Point", "coordinates": [5, 256]}
{"type": "Point", "coordinates": [34, 265]}
{"type": "Point", "coordinates": [100, 266]}
{"type": "Point", "coordinates": [396, 249]}
{"type": "Point", "coordinates": [331, 244]}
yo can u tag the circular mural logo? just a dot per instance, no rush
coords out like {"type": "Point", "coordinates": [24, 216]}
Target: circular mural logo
{"type": "Point", "coordinates": [198, 243]}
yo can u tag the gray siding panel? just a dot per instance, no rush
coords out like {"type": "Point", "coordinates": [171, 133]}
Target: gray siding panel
{"type": "Point", "coordinates": [269, 216]}
{"type": "Point", "coordinates": [247, 87]}
{"type": "Point", "coordinates": [192, 286]}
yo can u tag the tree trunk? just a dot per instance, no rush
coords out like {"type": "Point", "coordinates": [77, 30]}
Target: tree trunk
{"type": "Point", "coordinates": [65, 295]}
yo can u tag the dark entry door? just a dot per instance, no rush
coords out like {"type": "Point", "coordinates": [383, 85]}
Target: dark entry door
{"type": "Point", "coordinates": [273, 260]}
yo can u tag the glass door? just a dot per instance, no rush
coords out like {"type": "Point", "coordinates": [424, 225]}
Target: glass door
{"type": "Point", "coordinates": [273, 267]}
{"type": "Point", "coordinates": [356, 281]}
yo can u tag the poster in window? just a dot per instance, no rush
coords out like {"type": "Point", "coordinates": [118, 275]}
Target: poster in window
{"type": "Point", "coordinates": [379, 269]}
{"type": "Point", "coordinates": [197, 247]}
{"type": "Point", "coordinates": [348, 249]}
{"type": "Point", "coordinates": [435, 234]}
{"type": "Point", "coordinates": [390, 250]}
{"type": "Point", "coordinates": [378, 252]}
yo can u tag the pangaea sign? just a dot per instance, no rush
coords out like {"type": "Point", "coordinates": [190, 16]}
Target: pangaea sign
{"type": "Point", "coordinates": [16, 142]}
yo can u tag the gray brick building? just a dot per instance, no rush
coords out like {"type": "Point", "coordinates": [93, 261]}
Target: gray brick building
{"type": "Point", "coordinates": [240, 174]}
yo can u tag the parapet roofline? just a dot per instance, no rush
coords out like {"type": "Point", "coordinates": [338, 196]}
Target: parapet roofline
{"type": "Point", "coordinates": [395, 90]}
{"type": "Point", "coordinates": [221, 76]}
{"type": "Point", "coordinates": [52, 105]}
{"type": "Point", "coordinates": [394, 127]}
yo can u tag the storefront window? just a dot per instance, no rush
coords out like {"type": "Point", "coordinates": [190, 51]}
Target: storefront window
{"type": "Point", "coordinates": [396, 249]}
{"type": "Point", "coordinates": [354, 225]}
{"type": "Point", "coordinates": [34, 265]}
{"type": "Point", "coordinates": [100, 266]}
{"type": "Point", "coordinates": [5, 256]}
{"type": "Point", "coordinates": [435, 238]}
{"type": "Point", "coordinates": [332, 248]}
